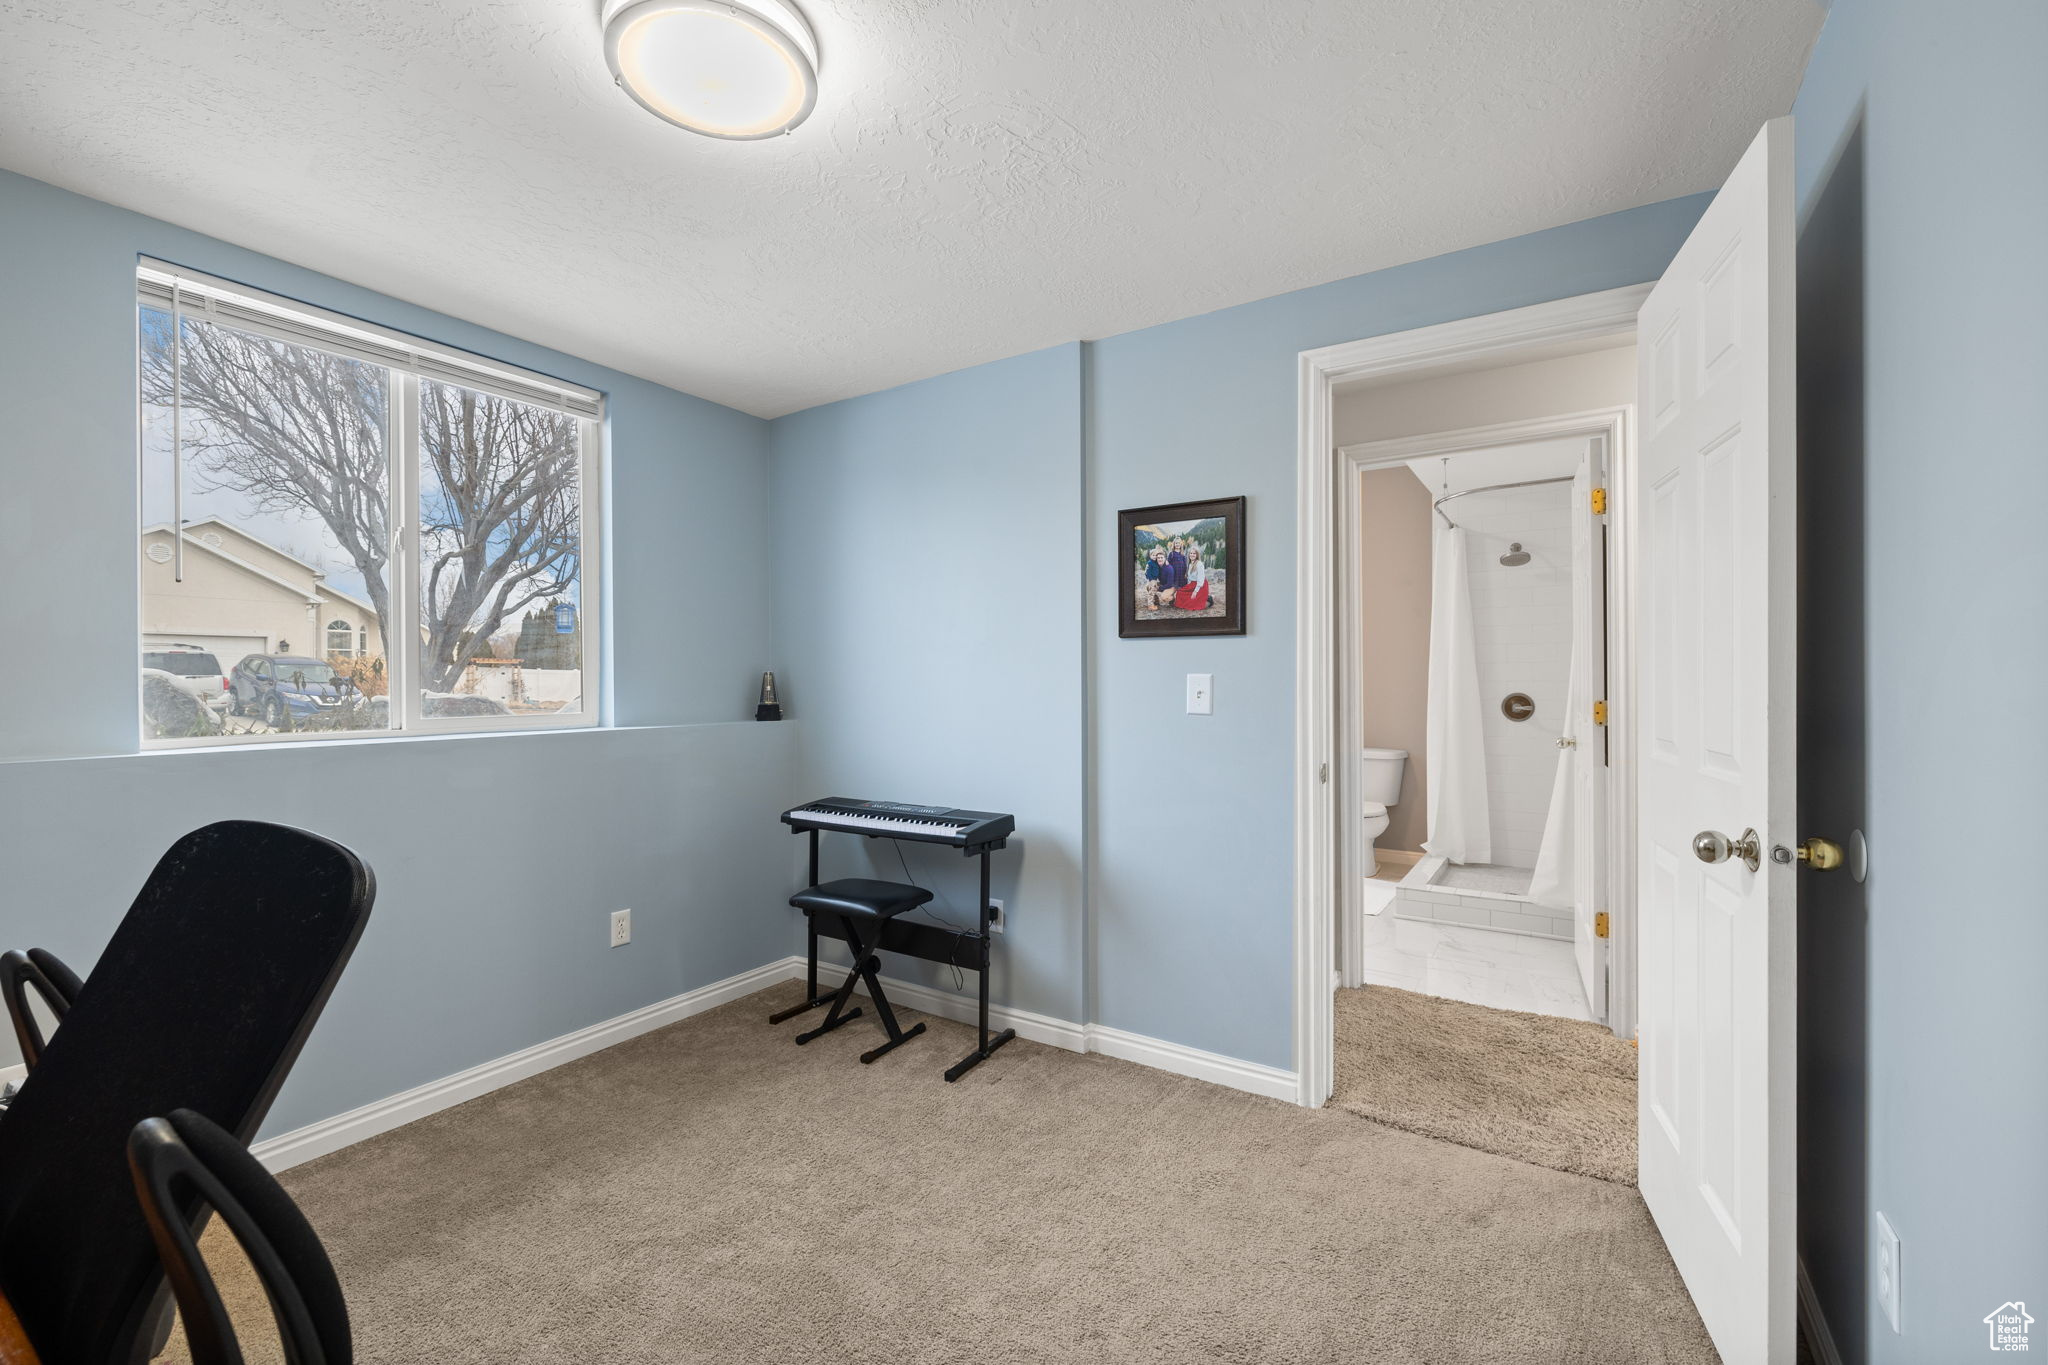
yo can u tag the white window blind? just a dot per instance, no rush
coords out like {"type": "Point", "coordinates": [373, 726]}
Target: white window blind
{"type": "Point", "coordinates": [251, 310]}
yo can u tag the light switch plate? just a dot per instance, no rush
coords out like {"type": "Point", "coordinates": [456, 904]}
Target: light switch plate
{"type": "Point", "coordinates": [1201, 694]}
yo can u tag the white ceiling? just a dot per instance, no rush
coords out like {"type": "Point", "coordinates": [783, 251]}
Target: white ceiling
{"type": "Point", "coordinates": [981, 177]}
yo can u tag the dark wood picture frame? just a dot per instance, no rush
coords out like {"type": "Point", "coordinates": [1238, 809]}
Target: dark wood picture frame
{"type": "Point", "coordinates": [1227, 580]}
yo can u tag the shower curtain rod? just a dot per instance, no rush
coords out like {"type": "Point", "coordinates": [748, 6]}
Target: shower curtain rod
{"type": "Point", "coordinates": [1438, 505]}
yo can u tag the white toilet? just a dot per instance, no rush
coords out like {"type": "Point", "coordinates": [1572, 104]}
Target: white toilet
{"type": "Point", "coordinates": [1379, 786]}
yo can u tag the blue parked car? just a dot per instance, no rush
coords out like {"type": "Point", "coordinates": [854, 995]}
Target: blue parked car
{"type": "Point", "coordinates": [274, 687]}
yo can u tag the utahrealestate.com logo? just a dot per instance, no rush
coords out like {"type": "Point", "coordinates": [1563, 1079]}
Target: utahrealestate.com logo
{"type": "Point", "coordinates": [2008, 1324]}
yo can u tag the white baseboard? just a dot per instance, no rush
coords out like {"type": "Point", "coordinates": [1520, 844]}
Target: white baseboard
{"type": "Point", "coordinates": [1182, 1060]}
{"type": "Point", "coordinates": [13, 1075]}
{"type": "Point", "coordinates": [331, 1135]}
{"type": "Point", "coordinates": [1813, 1324]}
{"type": "Point", "coordinates": [1177, 1058]}
{"type": "Point", "coordinates": [961, 1009]}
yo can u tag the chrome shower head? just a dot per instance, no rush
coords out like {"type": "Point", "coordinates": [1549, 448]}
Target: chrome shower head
{"type": "Point", "coordinates": [1516, 556]}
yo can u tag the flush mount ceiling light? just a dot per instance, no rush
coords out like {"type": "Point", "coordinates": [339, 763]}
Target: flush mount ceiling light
{"type": "Point", "coordinates": [739, 69]}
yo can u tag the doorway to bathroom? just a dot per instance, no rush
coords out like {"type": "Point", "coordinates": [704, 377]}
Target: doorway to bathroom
{"type": "Point", "coordinates": [1476, 890]}
{"type": "Point", "coordinates": [1702, 735]}
{"type": "Point", "coordinates": [1474, 631]}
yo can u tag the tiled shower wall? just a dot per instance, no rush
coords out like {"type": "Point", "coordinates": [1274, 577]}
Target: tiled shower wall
{"type": "Point", "coordinates": [1522, 620]}
{"type": "Point", "coordinates": [1512, 913]}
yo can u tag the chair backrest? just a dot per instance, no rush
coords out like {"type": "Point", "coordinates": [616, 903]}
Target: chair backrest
{"type": "Point", "coordinates": [185, 1163]}
{"type": "Point", "coordinates": [43, 972]}
{"type": "Point", "coordinates": [201, 1001]}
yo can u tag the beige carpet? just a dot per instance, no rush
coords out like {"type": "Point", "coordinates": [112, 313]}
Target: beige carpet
{"type": "Point", "coordinates": [711, 1193]}
{"type": "Point", "coordinates": [1554, 1092]}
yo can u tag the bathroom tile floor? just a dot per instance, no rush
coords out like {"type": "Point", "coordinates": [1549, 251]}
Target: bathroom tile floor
{"type": "Point", "coordinates": [1479, 966]}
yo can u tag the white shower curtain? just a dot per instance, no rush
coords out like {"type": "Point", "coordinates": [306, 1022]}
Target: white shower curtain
{"type": "Point", "coordinates": [1456, 739]}
{"type": "Point", "coordinates": [1554, 884]}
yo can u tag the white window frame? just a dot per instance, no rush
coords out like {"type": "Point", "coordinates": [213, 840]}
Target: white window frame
{"type": "Point", "coordinates": [409, 359]}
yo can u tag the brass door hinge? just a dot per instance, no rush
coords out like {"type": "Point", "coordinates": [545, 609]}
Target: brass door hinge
{"type": "Point", "coordinates": [1599, 501]}
{"type": "Point", "coordinates": [1600, 924]}
{"type": "Point", "coordinates": [1599, 713]}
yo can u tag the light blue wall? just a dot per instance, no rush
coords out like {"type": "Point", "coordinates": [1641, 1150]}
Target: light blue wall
{"type": "Point", "coordinates": [498, 859]}
{"type": "Point", "coordinates": [915, 572]}
{"type": "Point", "coordinates": [1952, 372]}
{"type": "Point", "coordinates": [933, 624]}
{"type": "Point", "coordinates": [1192, 888]}
{"type": "Point", "coordinates": [928, 543]}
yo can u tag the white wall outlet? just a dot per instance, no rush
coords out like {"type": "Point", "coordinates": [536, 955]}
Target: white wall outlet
{"type": "Point", "coordinates": [996, 916]}
{"type": "Point", "coordinates": [1201, 693]}
{"type": "Point", "coordinates": [622, 928]}
{"type": "Point", "coordinates": [1888, 1271]}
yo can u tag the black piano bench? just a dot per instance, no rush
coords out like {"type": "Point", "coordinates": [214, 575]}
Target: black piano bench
{"type": "Point", "coordinates": [863, 909]}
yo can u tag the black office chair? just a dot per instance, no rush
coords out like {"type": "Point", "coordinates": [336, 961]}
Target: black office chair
{"type": "Point", "coordinates": [186, 1163]}
{"type": "Point", "coordinates": [862, 908]}
{"type": "Point", "coordinates": [201, 1001]}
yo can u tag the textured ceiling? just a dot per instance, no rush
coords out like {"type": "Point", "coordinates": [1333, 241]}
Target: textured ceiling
{"type": "Point", "coordinates": [980, 178]}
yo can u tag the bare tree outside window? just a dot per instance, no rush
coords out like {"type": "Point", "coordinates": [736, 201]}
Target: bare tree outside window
{"type": "Point", "coordinates": [288, 428]}
{"type": "Point", "coordinates": [294, 430]}
{"type": "Point", "coordinates": [500, 519]}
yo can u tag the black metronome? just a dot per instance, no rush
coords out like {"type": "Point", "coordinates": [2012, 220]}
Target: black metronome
{"type": "Point", "coordinates": [769, 709]}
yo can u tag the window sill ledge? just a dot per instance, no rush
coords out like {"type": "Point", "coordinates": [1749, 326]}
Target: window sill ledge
{"type": "Point", "coordinates": [176, 751]}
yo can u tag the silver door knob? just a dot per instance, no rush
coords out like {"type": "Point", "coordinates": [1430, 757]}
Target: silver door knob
{"type": "Point", "coordinates": [1712, 846]}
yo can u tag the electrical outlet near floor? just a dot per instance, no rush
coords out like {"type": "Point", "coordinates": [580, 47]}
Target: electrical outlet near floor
{"type": "Point", "coordinates": [1888, 1269]}
{"type": "Point", "coordinates": [622, 928]}
{"type": "Point", "coordinates": [995, 915]}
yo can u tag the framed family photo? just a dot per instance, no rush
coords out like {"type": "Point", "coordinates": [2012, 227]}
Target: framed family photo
{"type": "Point", "coordinates": [1182, 569]}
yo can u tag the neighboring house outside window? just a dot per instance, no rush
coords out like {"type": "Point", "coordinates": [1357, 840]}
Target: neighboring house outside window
{"type": "Point", "coordinates": [240, 595]}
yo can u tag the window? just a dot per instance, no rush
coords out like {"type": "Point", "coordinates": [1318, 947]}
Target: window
{"type": "Point", "coordinates": [424, 519]}
{"type": "Point", "coordinates": [184, 663]}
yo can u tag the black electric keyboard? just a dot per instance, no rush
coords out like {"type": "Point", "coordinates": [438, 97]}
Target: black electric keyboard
{"type": "Point", "coordinates": [972, 830]}
{"type": "Point", "coordinates": [975, 832]}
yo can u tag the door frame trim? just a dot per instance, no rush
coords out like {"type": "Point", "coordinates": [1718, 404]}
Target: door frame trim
{"type": "Point", "coordinates": [1616, 427]}
{"type": "Point", "coordinates": [1491, 338]}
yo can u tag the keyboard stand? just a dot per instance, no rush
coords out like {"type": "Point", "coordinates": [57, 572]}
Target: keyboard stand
{"type": "Point", "coordinates": [962, 948]}
{"type": "Point", "coordinates": [988, 1044]}
{"type": "Point", "coordinates": [812, 1000]}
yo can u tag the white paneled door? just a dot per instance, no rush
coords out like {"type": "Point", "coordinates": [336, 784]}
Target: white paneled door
{"type": "Point", "coordinates": [1715, 676]}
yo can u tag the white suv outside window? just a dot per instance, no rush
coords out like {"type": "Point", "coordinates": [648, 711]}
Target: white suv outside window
{"type": "Point", "coordinates": [192, 670]}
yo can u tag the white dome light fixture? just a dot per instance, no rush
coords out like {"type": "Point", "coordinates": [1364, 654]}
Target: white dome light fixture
{"type": "Point", "coordinates": [737, 69]}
